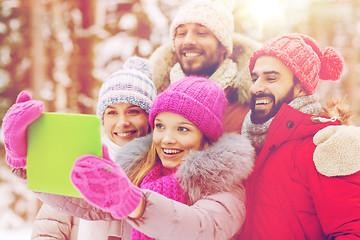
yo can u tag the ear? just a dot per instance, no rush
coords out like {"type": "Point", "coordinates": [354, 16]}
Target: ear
{"type": "Point", "coordinates": [299, 90]}
{"type": "Point", "coordinates": [222, 50]}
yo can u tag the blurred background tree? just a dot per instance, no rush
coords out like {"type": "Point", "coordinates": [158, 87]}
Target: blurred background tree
{"type": "Point", "coordinates": [62, 50]}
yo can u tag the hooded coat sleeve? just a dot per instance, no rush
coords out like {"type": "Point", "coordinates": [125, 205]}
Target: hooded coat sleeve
{"type": "Point", "coordinates": [77, 207]}
{"type": "Point", "coordinates": [52, 224]}
{"type": "Point", "coordinates": [334, 180]}
{"type": "Point", "coordinates": [217, 216]}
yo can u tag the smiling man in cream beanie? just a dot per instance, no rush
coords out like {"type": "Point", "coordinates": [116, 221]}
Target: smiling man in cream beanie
{"type": "Point", "coordinates": [203, 43]}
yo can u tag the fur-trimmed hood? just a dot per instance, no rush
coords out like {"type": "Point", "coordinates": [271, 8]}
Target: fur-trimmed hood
{"type": "Point", "coordinates": [339, 109]}
{"type": "Point", "coordinates": [337, 147]}
{"type": "Point", "coordinates": [220, 167]}
{"type": "Point", "coordinates": [163, 60]}
{"type": "Point", "coordinates": [132, 152]}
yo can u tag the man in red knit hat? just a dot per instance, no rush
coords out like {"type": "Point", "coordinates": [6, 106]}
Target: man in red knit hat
{"type": "Point", "coordinates": [306, 182]}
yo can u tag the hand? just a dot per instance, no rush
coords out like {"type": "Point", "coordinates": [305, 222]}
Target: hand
{"type": "Point", "coordinates": [15, 124]}
{"type": "Point", "coordinates": [337, 150]}
{"type": "Point", "coordinates": [105, 185]}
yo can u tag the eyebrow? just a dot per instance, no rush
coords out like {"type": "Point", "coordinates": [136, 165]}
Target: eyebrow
{"type": "Point", "coordinates": [134, 106]}
{"type": "Point", "coordinates": [179, 123]}
{"type": "Point", "coordinates": [186, 123]}
{"type": "Point", "coordinates": [272, 72]}
{"type": "Point", "coordinates": [157, 120]}
{"type": "Point", "coordinates": [266, 73]}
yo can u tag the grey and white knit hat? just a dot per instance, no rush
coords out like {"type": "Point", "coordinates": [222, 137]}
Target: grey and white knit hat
{"type": "Point", "coordinates": [216, 15]}
{"type": "Point", "coordinates": [132, 84]}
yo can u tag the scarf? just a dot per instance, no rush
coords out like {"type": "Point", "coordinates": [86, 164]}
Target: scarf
{"type": "Point", "coordinates": [112, 147]}
{"type": "Point", "coordinates": [257, 133]}
{"type": "Point", "coordinates": [225, 74]}
{"type": "Point", "coordinates": [163, 181]}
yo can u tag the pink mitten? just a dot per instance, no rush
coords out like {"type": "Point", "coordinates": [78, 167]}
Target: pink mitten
{"type": "Point", "coordinates": [14, 125]}
{"type": "Point", "coordinates": [105, 185]}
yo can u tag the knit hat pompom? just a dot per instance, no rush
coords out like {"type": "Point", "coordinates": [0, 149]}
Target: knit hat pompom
{"type": "Point", "coordinates": [332, 64]}
{"type": "Point", "coordinates": [229, 4]}
{"type": "Point", "coordinates": [132, 84]}
{"type": "Point", "coordinates": [140, 64]}
{"type": "Point", "coordinates": [197, 99]}
{"type": "Point", "coordinates": [302, 55]}
{"type": "Point", "coordinates": [216, 15]}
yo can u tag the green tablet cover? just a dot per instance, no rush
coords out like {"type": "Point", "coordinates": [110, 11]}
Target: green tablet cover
{"type": "Point", "coordinates": [55, 141]}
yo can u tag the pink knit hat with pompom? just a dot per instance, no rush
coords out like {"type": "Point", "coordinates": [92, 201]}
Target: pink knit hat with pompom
{"type": "Point", "coordinates": [302, 55]}
{"type": "Point", "coordinates": [197, 99]}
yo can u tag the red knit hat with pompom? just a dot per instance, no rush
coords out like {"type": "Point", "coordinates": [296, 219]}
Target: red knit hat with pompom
{"type": "Point", "coordinates": [302, 55]}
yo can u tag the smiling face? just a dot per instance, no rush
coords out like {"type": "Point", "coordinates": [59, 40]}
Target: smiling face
{"type": "Point", "coordinates": [174, 136]}
{"type": "Point", "coordinates": [273, 85]}
{"type": "Point", "coordinates": [125, 121]}
{"type": "Point", "coordinates": [198, 50]}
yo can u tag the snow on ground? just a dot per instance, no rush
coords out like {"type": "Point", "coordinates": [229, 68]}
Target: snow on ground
{"type": "Point", "coordinates": [18, 234]}
{"type": "Point", "coordinates": [18, 206]}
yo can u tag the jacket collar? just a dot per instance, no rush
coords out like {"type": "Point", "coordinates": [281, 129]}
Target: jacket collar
{"type": "Point", "coordinates": [163, 60]}
{"type": "Point", "coordinates": [290, 124]}
{"type": "Point", "coordinates": [220, 167]}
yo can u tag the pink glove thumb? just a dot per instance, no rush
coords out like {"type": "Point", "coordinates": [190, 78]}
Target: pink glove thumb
{"type": "Point", "coordinates": [105, 185]}
{"type": "Point", "coordinates": [15, 123]}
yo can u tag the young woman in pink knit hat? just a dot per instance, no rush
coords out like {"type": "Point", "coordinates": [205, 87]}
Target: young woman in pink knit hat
{"type": "Point", "coordinates": [188, 184]}
{"type": "Point", "coordinates": [188, 160]}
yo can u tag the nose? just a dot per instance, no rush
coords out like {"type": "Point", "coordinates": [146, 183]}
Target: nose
{"type": "Point", "coordinates": [257, 87]}
{"type": "Point", "coordinates": [123, 121]}
{"type": "Point", "coordinates": [189, 39]}
{"type": "Point", "coordinates": [168, 138]}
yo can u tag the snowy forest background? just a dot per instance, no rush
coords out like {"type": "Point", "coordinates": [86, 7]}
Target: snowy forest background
{"type": "Point", "coordinates": [62, 50]}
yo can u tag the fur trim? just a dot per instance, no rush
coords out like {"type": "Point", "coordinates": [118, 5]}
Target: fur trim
{"type": "Point", "coordinates": [163, 59]}
{"type": "Point", "coordinates": [129, 154]}
{"type": "Point", "coordinates": [243, 49]}
{"type": "Point", "coordinates": [339, 109]}
{"type": "Point", "coordinates": [220, 167]}
{"type": "Point", "coordinates": [337, 150]}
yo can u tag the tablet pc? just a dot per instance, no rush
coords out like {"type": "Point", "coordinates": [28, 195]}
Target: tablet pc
{"type": "Point", "coordinates": [55, 141]}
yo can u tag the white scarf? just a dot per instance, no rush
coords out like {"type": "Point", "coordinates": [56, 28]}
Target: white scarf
{"type": "Point", "coordinates": [111, 146]}
{"type": "Point", "coordinates": [225, 74]}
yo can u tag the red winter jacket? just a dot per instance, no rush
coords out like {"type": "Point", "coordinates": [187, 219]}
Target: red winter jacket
{"type": "Point", "coordinates": [287, 198]}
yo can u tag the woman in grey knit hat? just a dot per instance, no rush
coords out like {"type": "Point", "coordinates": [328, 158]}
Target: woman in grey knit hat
{"type": "Point", "coordinates": [124, 101]}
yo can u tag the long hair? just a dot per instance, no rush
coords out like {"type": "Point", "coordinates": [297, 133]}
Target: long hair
{"type": "Point", "coordinates": [144, 166]}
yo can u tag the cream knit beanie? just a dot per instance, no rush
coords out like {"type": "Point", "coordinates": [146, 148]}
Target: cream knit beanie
{"type": "Point", "coordinates": [216, 15]}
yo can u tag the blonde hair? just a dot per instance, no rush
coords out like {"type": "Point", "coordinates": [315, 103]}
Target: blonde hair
{"type": "Point", "coordinates": [144, 166]}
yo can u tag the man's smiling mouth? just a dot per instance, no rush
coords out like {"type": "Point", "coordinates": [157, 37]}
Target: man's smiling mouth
{"type": "Point", "coordinates": [191, 54]}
